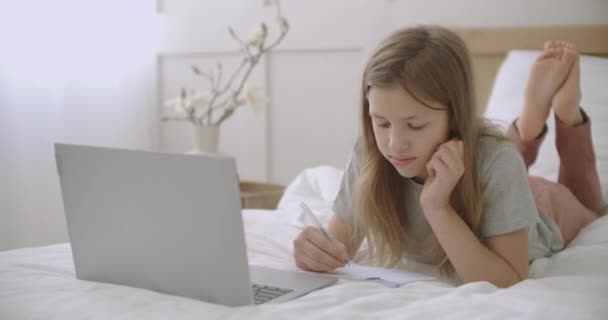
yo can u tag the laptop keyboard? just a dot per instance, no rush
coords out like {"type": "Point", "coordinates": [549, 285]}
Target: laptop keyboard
{"type": "Point", "coordinates": [263, 294]}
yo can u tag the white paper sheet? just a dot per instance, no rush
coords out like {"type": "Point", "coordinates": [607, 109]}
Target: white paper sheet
{"type": "Point", "coordinates": [389, 277]}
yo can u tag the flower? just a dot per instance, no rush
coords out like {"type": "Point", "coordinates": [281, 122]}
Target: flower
{"type": "Point", "coordinates": [253, 96]}
{"type": "Point", "coordinates": [197, 99]}
{"type": "Point", "coordinates": [283, 22]}
{"type": "Point", "coordinates": [257, 37]}
{"type": "Point", "coordinates": [227, 93]}
{"type": "Point", "coordinates": [189, 102]}
{"type": "Point", "coordinates": [175, 107]}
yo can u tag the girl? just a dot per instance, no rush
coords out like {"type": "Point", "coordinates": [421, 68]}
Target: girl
{"type": "Point", "coordinates": [431, 182]}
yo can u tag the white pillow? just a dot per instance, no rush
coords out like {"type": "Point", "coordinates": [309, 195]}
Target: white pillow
{"type": "Point", "coordinates": [317, 186]}
{"type": "Point", "coordinates": [507, 97]}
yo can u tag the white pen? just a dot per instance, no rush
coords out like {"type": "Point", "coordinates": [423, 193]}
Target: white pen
{"type": "Point", "coordinates": [318, 224]}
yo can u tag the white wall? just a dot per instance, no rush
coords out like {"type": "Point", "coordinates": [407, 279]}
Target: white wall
{"type": "Point", "coordinates": [312, 80]}
{"type": "Point", "coordinates": [70, 71]}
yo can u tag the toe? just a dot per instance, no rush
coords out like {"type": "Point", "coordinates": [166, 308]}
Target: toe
{"type": "Point", "coordinates": [550, 44]}
{"type": "Point", "coordinates": [549, 53]}
{"type": "Point", "coordinates": [569, 55]}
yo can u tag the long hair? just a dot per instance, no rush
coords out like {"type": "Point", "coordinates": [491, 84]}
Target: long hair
{"type": "Point", "coordinates": [433, 61]}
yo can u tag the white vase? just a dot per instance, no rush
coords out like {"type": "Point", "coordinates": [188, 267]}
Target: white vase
{"type": "Point", "coordinates": [206, 139]}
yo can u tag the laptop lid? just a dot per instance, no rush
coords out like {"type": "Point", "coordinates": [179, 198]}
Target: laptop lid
{"type": "Point", "coordinates": [166, 222]}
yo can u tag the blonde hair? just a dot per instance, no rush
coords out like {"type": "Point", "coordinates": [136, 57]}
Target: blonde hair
{"type": "Point", "coordinates": [435, 62]}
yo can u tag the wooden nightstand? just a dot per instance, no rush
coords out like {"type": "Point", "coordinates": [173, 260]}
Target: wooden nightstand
{"type": "Point", "coordinates": [260, 195]}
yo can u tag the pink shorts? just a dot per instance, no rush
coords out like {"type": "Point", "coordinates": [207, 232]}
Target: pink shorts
{"type": "Point", "coordinates": [575, 200]}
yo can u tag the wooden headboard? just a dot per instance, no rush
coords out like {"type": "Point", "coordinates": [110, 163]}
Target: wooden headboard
{"type": "Point", "coordinates": [489, 46]}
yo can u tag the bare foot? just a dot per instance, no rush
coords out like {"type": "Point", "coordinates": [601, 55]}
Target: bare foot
{"type": "Point", "coordinates": [566, 102]}
{"type": "Point", "coordinates": [547, 75]}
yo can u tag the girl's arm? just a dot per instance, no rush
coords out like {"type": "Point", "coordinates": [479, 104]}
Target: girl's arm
{"type": "Point", "coordinates": [501, 260]}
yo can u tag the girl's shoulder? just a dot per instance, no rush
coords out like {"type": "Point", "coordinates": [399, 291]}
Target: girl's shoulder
{"type": "Point", "coordinates": [491, 144]}
{"type": "Point", "coordinates": [494, 152]}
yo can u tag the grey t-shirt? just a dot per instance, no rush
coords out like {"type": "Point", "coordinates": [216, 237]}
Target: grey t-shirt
{"type": "Point", "coordinates": [507, 206]}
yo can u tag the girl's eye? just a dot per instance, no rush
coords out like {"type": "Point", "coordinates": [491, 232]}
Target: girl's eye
{"type": "Point", "coordinates": [413, 127]}
{"type": "Point", "coordinates": [383, 125]}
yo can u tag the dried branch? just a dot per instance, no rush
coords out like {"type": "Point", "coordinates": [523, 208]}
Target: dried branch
{"type": "Point", "coordinates": [218, 90]}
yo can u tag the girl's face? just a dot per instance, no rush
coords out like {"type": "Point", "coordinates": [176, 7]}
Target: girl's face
{"type": "Point", "coordinates": [407, 132]}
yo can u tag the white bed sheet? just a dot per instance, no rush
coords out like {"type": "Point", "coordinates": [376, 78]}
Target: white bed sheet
{"type": "Point", "coordinates": [40, 283]}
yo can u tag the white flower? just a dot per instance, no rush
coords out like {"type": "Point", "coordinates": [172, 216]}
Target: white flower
{"type": "Point", "coordinates": [174, 107]}
{"type": "Point", "coordinates": [197, 99]}
{"type": "Point", "coordinates": [184, 104]}
{"type": "Point", "coordinates": [283, 22]}
{"type": "Point", "coordinates": [253, 96]}
{"type": "Point", "coordinates": [258, 36]}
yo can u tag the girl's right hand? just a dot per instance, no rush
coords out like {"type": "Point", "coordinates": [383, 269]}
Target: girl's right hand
{"type": "Point", "coordinates": [314, 252]}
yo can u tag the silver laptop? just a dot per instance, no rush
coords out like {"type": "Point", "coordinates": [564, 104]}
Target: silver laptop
{"type": "Point", "coordinates": [166, 222]}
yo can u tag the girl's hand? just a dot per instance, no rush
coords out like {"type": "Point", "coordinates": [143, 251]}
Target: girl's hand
{"type": "Point", "coordinates": [314, 252]}
{"type": "Point", "coordinates": [445, 169]}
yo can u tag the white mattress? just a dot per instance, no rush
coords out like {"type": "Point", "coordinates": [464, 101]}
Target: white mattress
{"type": "Point", "coordinates": [40, 283]}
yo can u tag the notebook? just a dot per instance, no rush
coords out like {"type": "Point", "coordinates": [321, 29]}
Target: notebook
{"type": "Point", "coordinates": [388, 277]}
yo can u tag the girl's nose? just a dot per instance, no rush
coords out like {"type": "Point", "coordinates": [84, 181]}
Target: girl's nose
{"type": "Point", "coordinates": [398, 142]}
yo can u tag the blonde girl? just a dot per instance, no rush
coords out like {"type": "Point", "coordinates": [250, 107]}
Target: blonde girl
{"type": "Point", "coordinates": [432, 182]}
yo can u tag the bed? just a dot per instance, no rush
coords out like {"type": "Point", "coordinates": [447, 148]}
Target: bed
{"type": "Point", "coordinates": [40, 283]}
